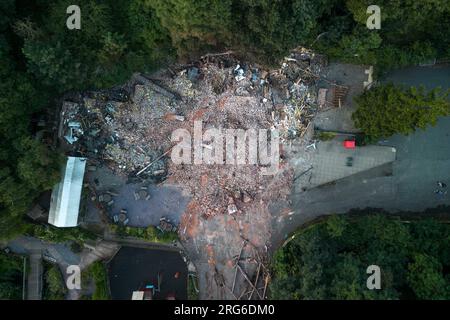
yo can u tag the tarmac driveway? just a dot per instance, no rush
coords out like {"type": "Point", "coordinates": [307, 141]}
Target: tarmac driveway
{"type": "Point", "coordinates": [423, 158]}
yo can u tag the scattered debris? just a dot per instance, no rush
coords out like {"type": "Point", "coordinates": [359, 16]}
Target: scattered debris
{"type": "Point", "coordinates": [129, 130]}
{"type": "Point", "coordinates": [122, 217]}
{"type": "Point", "coordinates": [142, 194]}
{"type": "Point", "coordinates": [232, 209]}
{"type": "Point", "coordinates": [339, 95]}
{"type": "Point", "coordinates": [165, 225]}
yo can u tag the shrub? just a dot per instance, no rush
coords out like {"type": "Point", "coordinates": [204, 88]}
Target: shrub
{"type": "Point", "coordinates": [97, 273]}
{"type": "Point", "coordinates": [55, 288]}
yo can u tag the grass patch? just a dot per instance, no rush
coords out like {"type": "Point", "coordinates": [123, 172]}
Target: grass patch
{"type": "Point", "coordinates": [192, 288]}
{"type": "Point", "coordinates": [151, 233]}
{"type": "Point", "coordinates": [53, 234]}
{"type": "Point", "coordinates": [54, 286]}
{"type": "Point", "coordinates": [326, 135]}
{"type": "Point", "coordinates": [96, 273]}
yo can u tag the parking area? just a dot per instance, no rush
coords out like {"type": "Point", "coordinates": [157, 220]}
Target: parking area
{"type": "Point", "coordinates": [330, 161]}
{"type": "Point", "coordinates": [143, 203]}
{"type": "Point", "coordinates": [159, 201]}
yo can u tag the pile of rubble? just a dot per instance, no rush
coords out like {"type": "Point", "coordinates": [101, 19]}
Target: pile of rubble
{"type": "Point", "coordinates": [294, 92]}
{"type": "Point", "coordinates": [129, 129]}
{"type": "Point", "coordinates": [114, 132]}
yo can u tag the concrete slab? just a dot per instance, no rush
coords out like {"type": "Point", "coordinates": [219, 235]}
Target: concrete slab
{"type": "Point", "coordinates": [165, 201]}
{"type": "Point", "coordinates": [351, 76]}
{"type": "Point", "coordinates": [329, 162]}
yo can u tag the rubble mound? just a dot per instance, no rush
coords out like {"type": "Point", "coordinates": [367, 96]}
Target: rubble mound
{"type": "Point", "coordinates": [132, 134]}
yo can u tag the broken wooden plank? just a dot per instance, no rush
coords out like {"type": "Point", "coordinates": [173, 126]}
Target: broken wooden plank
{"type": "Point", "coordinates": [216, 54]}
{"type": "Point", "coordinates": [256, 281]}
{"type": "Point", "coordinates": [236, 262]}
{"type": "Point", "coordinates": [265, 285]}
{"type": "Point", "coordinates": [148, 166]}
{"type": "Point", "coordinates": [156, 87]}
{"type": "Point", "coordinates": [231, 292]}
{"type": "Point", "coordinates": [248, 280]}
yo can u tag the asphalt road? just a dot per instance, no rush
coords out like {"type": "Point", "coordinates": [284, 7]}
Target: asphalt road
{"type": "Point", "coordinates": [63, 256]}
{"type": "Point", "coordinates": [423, 158]}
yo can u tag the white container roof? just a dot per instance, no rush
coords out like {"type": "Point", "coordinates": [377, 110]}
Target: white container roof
{"type": "Point", "coordinates": [66, 195]}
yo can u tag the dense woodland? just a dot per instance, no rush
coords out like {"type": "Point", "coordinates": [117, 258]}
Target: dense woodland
{"type": "Point", "coordinates": [41, 58]}
{"type": "Point", "coordinates": [329, 260]}
{"type": "Point", "coordinates": [11, 277]}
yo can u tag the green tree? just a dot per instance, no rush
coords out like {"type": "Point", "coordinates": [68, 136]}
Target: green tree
{"type": "Point", "coordinates": [39, 167]}
{"type": "Point", "coordinates": [411, 32]}
{"type": "Point", "coordinates": [10, 277]}
{"type": "Point", "coordinates": [347, 279]}
{"type": "Point", "coordinates": [426, 279]}
{"type": "Point", "coordinates": [388, 109]}
{"type": "Point", "coordinates": [329, 261]}
{"type": "Point", "coordinates": [115, 40]}
{"type": "Point", "coordinates": [336, 226]}
{"type": "Point", "coordinates": [27, 167]}
{"type": "Point", "coordinates": [195, 26]}
{"type": "Point", "coordinates": [147, 32]}
{"type": "Point", "coordinates": [358, 47]}
{"type": "Point", "coordinates": [272, 28]}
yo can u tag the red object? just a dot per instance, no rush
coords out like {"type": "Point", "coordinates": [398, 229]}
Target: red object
{"type": "Point", "coordinates": [349, 144]}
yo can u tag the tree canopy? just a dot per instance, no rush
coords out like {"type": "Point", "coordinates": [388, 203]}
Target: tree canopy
{"type": "Point", "coordinates": [40, 58]}
{"type": "Point", "coordinates": [411, 32]}
{"type": "Point", "coordinates": [329, 260]}
{"type": "Point", "coordinates": [10, 277]}
{"type": "Point", "coordinates": [388, 109]}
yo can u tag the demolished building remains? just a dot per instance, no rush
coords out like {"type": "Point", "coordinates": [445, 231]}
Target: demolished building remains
{"type": "Point", "coordinates": [129, 130]}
